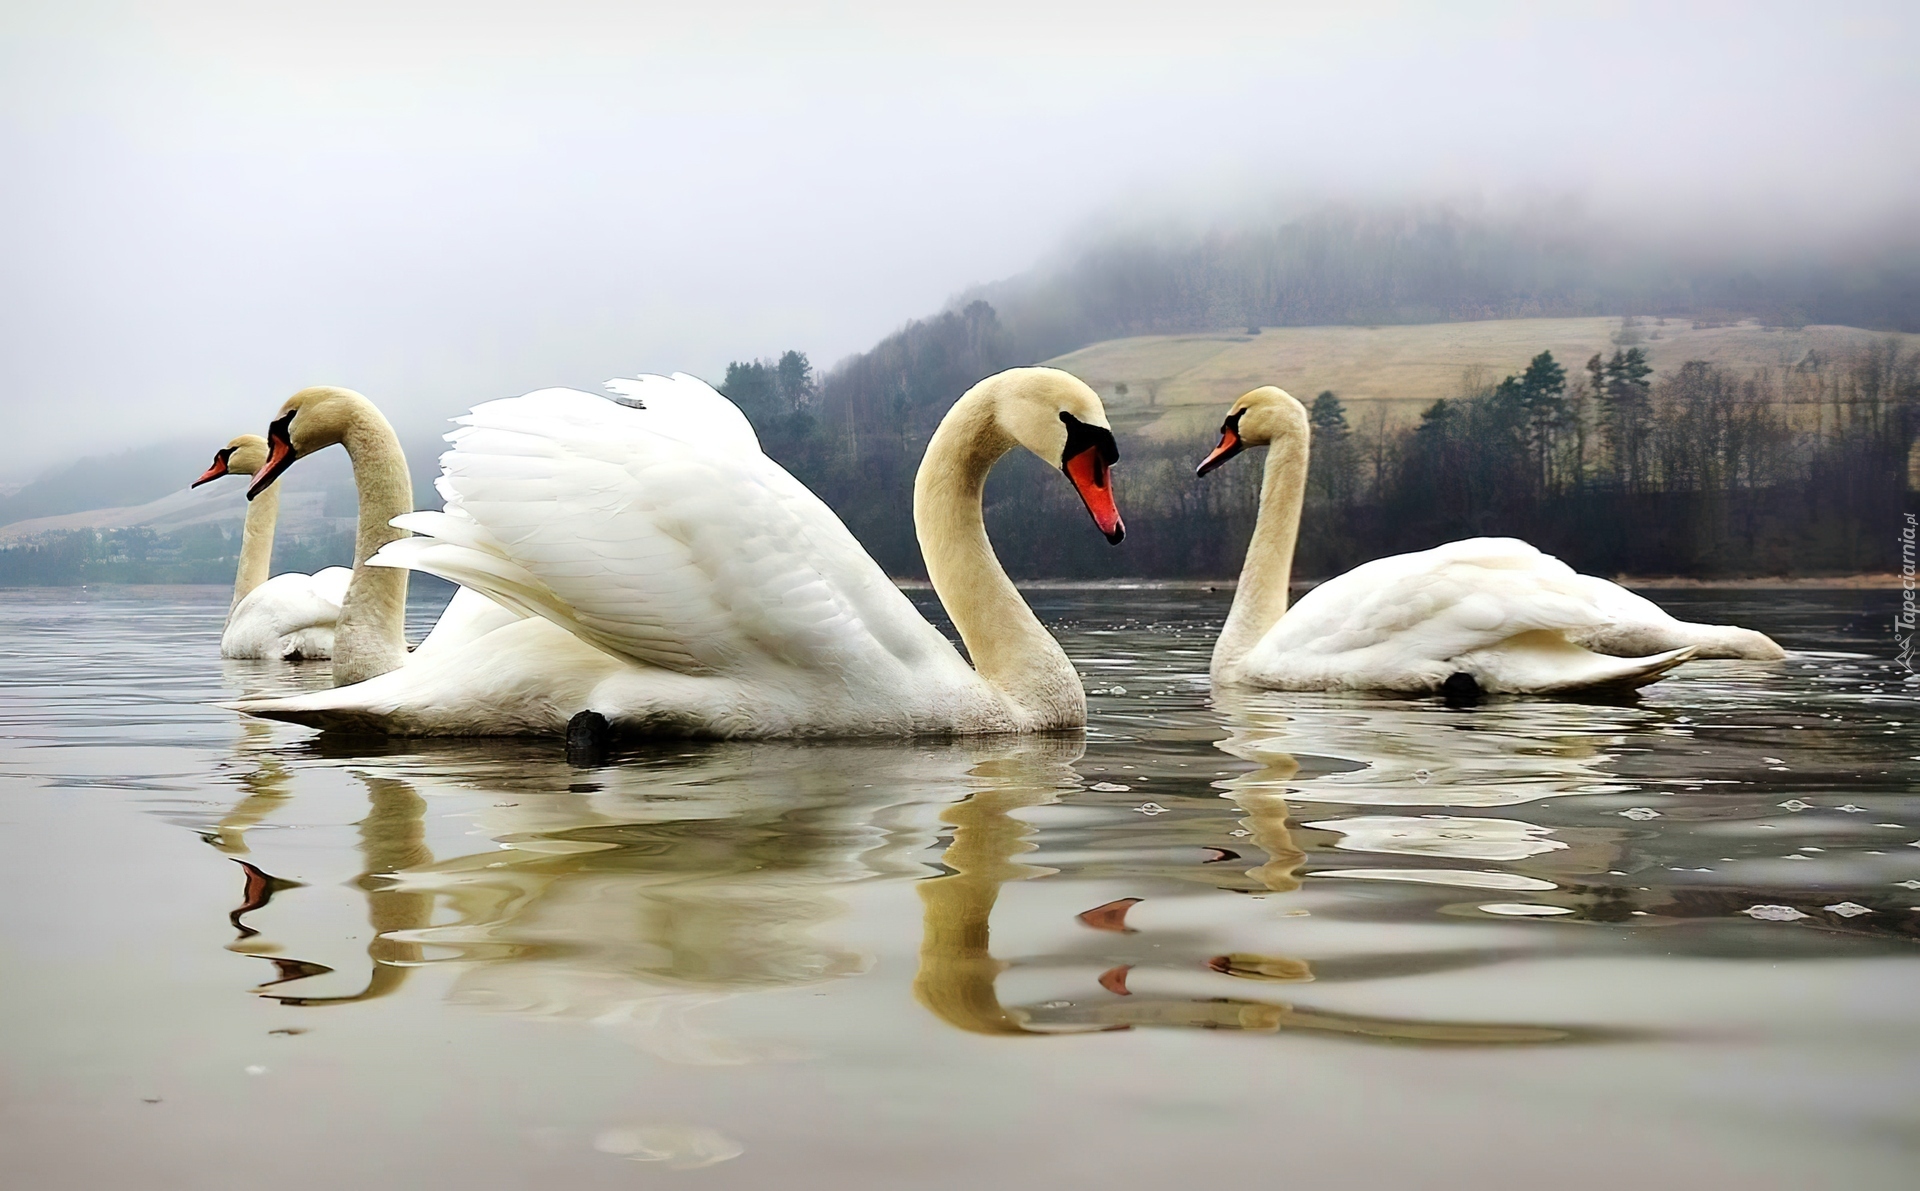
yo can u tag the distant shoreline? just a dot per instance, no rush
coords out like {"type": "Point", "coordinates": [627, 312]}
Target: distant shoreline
{"type": "Point", "coordinates": [1868, 582]}
{"type": "Point", "coordinates": [1873, 582]}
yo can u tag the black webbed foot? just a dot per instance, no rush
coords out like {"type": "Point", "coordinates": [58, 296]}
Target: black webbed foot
{"type": "Point", "coordinates": [1460, 690]}
{"type": "Point", "coordinates": [589, 737]}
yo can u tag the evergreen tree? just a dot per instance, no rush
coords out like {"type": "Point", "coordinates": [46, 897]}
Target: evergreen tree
{"type": "Point", "coordinates": [774, 394]}
{"type": "Point", "coordinates": [794, 379]}
{"type": "Point", "coordinates": [1626, 409]}
{"type": "Point", "coordinates": [1331, 464]}
{"type": "Point", "coordinates": [1542, 395]}
{"type": "Point", "coordinates": [1327, 416]}
{"type": "Point", "coordinates": [754, 387]}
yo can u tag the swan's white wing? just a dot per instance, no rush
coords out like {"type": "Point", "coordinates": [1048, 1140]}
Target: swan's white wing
{"type": "Point", "coordinates": [1494, 608]}
{"type": "Point", "coordinates": [330, 584]}
{"type": "Point", "coordinates": [688, 409]}
{"type": "Point", "coordinates": [467, 617]}
{"type": "Point", "coordinates": [660, 534]}
{"type": "Point", "coordinates": [1622, 605]}
{"type": "Point", "coordinates": [288, 603]}
{"type": "Point", "coordinates": [1437, 603]}
{"type": "Point", "coordinates": [288, 614]}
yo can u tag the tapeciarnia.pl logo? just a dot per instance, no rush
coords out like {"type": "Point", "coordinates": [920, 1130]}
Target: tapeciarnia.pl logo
{"type": "Point", "coordinates": [1903, 624]}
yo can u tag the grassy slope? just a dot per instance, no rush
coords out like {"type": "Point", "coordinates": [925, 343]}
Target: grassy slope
{"type": "Point", "coordinates": [1395, 371]}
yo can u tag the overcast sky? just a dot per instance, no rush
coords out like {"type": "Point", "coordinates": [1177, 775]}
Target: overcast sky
{"type": "Point", "coordinates": [205, 206]}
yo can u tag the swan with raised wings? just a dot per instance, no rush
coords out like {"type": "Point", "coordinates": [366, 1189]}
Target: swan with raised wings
{"type": "Point", "coordinates": [678, 582]}
{"type": "Point", "coordinates": [1482, 614]}
{"type": "Point", "coordinates": [289, 616]}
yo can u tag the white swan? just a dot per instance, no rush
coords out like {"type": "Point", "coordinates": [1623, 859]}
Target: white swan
{"type": "Point", "coordinates": [288, 616]}
{"type": "Point", "coordinates": [1485, 614]}
{"type": "Point", "coordinates": [370, 636]}
{"type": "Point", "coordinates": [679, 582]}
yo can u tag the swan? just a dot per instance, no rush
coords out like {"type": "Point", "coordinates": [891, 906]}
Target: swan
{"type": "Point", "coordinates": [1481, 614]}
{"type": "Point", "coordinates": [369, 637]}
{"type": "Point", "coordinates": [289, 616]}
{"type": "Point", "coordinates": [676, 581]}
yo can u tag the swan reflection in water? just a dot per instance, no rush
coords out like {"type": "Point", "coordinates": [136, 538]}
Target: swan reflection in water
{"type": "Point", "coordinates": [1397, 768]}
{"type": "Point", "coordinates": [1402, 761]}
{"type": "Point", "coordinates": [958, 972]}
{"type": "Point", "coordinates": [1419, 752]}
{"type": "Point", "coordinates": [391, 839]}
{"type": "Point", "coordinates": [632, 895]}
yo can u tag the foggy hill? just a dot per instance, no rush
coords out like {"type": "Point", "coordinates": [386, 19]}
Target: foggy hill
{"type": "Point", "coordinates": [1368, 266]}
{"type": "Point", "coordinates": [148, 486]}
{"type": "Point", "coordinates": [1428, 264]}
{"type": "Point", "coordinates": [107, 481]}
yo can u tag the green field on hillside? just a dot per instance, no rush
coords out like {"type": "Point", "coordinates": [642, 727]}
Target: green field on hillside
{"type": "Point", "coordinates": [1178, 385]}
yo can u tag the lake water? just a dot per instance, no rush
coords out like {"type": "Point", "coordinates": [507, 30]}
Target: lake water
{"type": "Point", "coordinates": [1666, 943]}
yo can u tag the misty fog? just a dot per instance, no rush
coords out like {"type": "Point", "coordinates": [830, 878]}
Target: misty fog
{"type": "Point", "coordinates": [206, 206]}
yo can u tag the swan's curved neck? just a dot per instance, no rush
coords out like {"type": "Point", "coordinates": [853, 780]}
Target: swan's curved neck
{"type": "Point", "coordinates": [371, 635]}
{"type": "Point", "coordinates": [256, 544]}
{"type": "Point", "coordinates": [1261, 598]}
{"type": "Point", "coordinates": [1010, 649]}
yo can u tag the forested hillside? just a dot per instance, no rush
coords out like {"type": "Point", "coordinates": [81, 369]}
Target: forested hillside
{"type": "Point", "coordinates": [1697, 468]}
{"type": "Point", "coordinates": [1703, 470]}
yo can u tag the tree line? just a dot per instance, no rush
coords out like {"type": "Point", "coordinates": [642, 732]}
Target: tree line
{"type": "Point", "coordinates": [1700, 472]}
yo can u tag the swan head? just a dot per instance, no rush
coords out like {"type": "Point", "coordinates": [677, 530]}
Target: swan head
{"type": "Point", "coordinates": [244, 456]}
{"type": "Point", "coordinates": [1059, 418]}
{"type": "Point", "coordinates": [308, 421]}
{"type": "Point", "coordinates": [1259, 418]}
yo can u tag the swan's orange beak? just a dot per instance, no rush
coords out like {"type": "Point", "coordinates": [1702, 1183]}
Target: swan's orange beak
{"type": "Point", "coordinates": [280, 456]}
{"type": "Point", "coordinates": [1230, 445]}
{"type": "Point", "coordinates": [1093, 480]}
{"type": "Point", "coordinates": [218, 469]}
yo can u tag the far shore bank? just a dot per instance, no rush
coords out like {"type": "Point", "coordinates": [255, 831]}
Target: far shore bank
{"type": "Point", "coordinates": [1876, 582]}
{"type": "Point", "coordinates": [1869, 582]}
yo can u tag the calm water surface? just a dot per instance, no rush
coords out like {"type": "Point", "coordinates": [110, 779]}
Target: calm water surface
{"type": "Point", "coordinates": [1669, 943]}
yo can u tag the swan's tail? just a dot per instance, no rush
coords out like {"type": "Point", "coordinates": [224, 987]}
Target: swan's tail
{"type": "Point", "coordinates": [1544, 662]}
{"type": "Point", "coordinates": [342, 708]}
{"type": "Point", "coordinates": [1731, 641]}
{"type": "Point", "coordinates": [1628, 638]}
{"type": "Point", "coordinates": [397, 711]}
{"type": "Point", "coordinates": [376, 706]}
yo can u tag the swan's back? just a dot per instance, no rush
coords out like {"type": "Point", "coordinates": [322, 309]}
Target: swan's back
{"type": "Point", "coordinates": [289, 616]}
{"type": "Point", "coordinates": [653, 528]}
{"type": "Point", "coordinates": [1496, 608]}
{"type": "Point", "coordinates": [1452, 598]}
